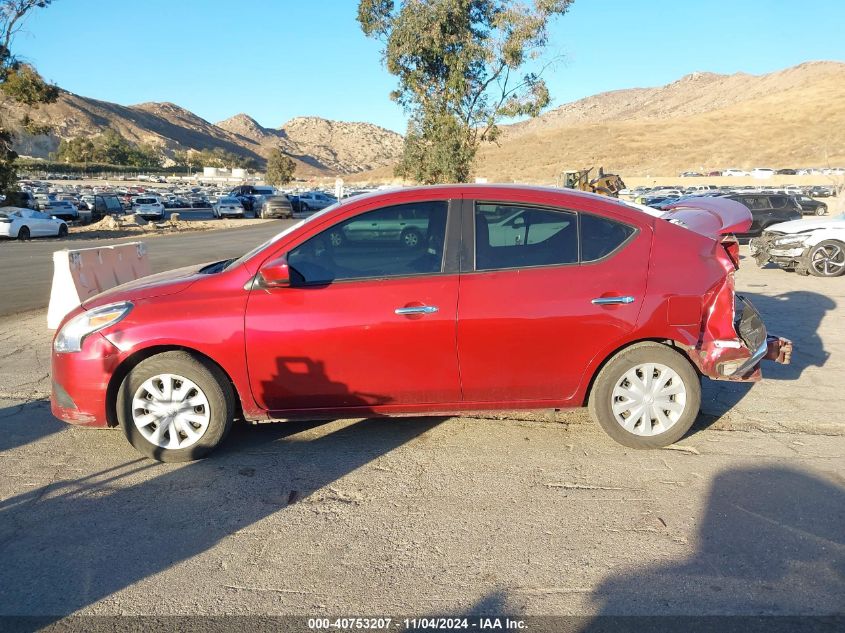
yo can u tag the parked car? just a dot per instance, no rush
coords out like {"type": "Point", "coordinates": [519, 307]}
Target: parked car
{"type": "Point", "coordinates": [23, 224]}
{"type": "Point", "coordinates": [618, 310]}
{"type": "Point", "coordinates": [103, 204]}
{"type": "Point", "coordinates": [227, 207]}
{"type": "Point", "coordinates": [314, 201]}
{"type": "Point", "coordinates": [148, 207]}
{"type": "Point", "coordinates": [815, 247]}
{"type": "Point", "coordinates": [734, 172]}
{"type": "Point", "coordinates": [277, 206]}
{"type": "Point", "coordinates": [766, 210]}
{"type": "Point", "coordinates": [62, 209]}
{"type": "Point", "coordinates": [810, 206]}
{"type": "Point", "coordinates": [818, 191]}
{"type": "Point", "coordinates": [762, 172]}
{"type": "Point", "coordinates": [21, 199]}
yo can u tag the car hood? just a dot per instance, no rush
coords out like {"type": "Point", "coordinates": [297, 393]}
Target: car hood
{"type": "Point", "coordinates": [158, 285]}
{"type": "Point", "coordinates": [804, 226]}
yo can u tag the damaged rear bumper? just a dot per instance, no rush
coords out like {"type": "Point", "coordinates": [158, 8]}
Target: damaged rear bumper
{"type": "Point", "coordinates": [738, 359]}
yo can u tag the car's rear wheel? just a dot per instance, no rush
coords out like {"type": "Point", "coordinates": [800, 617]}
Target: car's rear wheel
{"type": "Point", "coordinates": [23, 233]}
{"type": "Point", "coordinates": [647, 396]}
{"type": "Point", "coordinates": [826, 259]}
{"type": "Point", "coordinates": [63, 230]}
{"type": "Point", "coordinates": [174, 408]}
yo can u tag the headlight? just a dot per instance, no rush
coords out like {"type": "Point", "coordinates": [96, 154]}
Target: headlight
{"type": "Point", "coordinates": [71, 336]}
{"type": "Point", "coordinates": [786, 240]}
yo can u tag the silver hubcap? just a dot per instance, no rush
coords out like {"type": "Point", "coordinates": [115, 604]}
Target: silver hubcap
{"type": "Point", "coordinates": [649, 399]}
{"type": "Point", "coordinates": [411, 239]}
{"type": "Point", "coordinates": [170, 411]}
{"type": "Point", "coordinates": [828, 260]}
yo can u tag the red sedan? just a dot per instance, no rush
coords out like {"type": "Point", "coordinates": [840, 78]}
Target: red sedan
{"type": "Point", "coordinates": [421, 301]}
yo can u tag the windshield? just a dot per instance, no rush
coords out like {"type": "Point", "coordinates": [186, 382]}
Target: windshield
{"type": "Point", "coordinates": [240, 260]}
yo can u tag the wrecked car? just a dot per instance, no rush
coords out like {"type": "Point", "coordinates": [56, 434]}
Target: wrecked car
{"type": "Point", "coordinates": [517, 298]}
{"type": "Point", "coordinates": [814, 247]}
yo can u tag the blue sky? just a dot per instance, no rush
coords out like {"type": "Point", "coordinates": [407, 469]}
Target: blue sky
{"type": "Point", "coordinates": [275, 60]}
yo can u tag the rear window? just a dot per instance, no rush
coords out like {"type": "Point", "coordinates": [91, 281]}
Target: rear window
{"type": "Point", "coordinates": [145, 201]}
{"type": "Point", "coordinates": [600, 236]}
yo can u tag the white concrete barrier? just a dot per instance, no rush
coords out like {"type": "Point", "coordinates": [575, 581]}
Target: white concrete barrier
{"type": "Point", "coordinates": [81, 274]}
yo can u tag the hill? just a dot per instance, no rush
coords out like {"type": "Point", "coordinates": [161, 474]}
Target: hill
{"type": "Point", "coordinates": [318, 146]}
{"type": "Point", "coordinates": [790, 118]}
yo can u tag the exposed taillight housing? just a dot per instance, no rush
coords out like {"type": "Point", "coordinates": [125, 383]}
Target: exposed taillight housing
{"type": "Point", "coordinates": [731, 246]}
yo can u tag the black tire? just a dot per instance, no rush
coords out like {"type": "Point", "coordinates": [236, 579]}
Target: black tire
{"type": "Point", "coordinates": [613, 373]}
{"type": "Point", "coordinates": [23, 233]}
{"type": "Point", "coordinates": [304, 208]}
{"type": "Point", "coordinates": [411, 238]}
{"type": "Point", "coordinates": [826, 259]}
{"type": "Point", "coordinates": [63, 230]}
{"type": "Point", "coordinates": [821, 210]}
{"type": "Point", "coordinates": [209, 379]}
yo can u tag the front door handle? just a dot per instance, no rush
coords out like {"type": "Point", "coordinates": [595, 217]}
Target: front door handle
{"type": "Point", "coordinates": [416, 310]}
{"type": "Point", "coordinates": [608, 301]}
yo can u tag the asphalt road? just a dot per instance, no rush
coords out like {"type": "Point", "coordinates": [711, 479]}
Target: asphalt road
{"type": "Point", "coordinates": [26, 268]}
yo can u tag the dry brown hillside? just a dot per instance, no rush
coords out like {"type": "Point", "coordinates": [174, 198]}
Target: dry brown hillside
{"type": "Point", "coordinates": [337, 146]}
{"type": "Point", "coordinates": [704, 121]}
{"type": "Point", "coordinates": [319, 147]}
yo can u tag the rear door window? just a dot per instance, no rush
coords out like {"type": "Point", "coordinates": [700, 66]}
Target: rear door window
{"type": "Point", "coordinates": [508, 236]}
{"type": "Point", "coordinates": [601, 236]}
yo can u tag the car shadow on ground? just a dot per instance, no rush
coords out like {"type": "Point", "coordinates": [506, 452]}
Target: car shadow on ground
{"type": "Point", "coordinates": [771, 543]}
{"type": "Point", "coordinates": [794, 315]}
{"type": "Point", "coordinates": [25, 423]}
{"type": "Point", "coordinates": [69, 544]}
{"type": "Point", "coordinates": [769, 558]}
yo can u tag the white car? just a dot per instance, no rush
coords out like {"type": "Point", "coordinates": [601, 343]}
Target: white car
{"type": "Point", "coordinates": [734, 172]}
{"type": "Point", "coordinates": [148, 207]}
{"type": "Point", "coordinates": [227, 206]}
{"type": "Point", "coordinates": [762, 172]}
{"type": "Point", "coordinates": [23, 224]}
{"type": "Point", "coordinates": [815, 247]}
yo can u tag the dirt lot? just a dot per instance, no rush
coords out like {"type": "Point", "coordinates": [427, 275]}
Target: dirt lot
{"type": "Point", "coordinates": [114, 227]}
{"type": "Point", "coordinates": [529, 515]}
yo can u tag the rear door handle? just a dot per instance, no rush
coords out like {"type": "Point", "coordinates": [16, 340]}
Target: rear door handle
{"type": "Point", "coordinates": [607, 301]}
{"type": "Point", "coordinates": [416, 310]}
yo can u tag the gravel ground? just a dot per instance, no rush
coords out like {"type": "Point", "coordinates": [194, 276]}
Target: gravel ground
{"type": "Point", "coordinates": [529, 514]}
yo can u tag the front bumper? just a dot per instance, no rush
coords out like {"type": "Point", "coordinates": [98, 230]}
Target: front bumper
{"type": "Point", "coordinates": [80, 382]}
{"type": "Point", "coordinates": [765, 249]}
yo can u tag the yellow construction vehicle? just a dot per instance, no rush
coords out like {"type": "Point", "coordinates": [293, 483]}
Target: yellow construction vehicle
{"type": "Point", "coordinates": [604, 184]}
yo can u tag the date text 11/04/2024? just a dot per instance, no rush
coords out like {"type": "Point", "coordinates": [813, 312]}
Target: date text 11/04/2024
{"type": "Point", "coordinates": [432, 623]}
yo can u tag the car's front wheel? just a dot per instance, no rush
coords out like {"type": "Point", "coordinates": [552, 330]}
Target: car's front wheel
{"type": "Point", "coordinates": [647, 396]}
{"type": "Point", "coordinates": [175, 408]}
{"type": "Point", "coordinates": [826, 259]}
{"type": "Point", "coordinates": [821, 210]}
{"type": "Point", "coordinates": [23, 233]}
{"type": "Point", "coordinates": [63, 230]}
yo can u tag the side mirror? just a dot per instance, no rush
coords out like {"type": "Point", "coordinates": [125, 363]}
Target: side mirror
{"type": "Point", "coordinates": [275, 273]}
